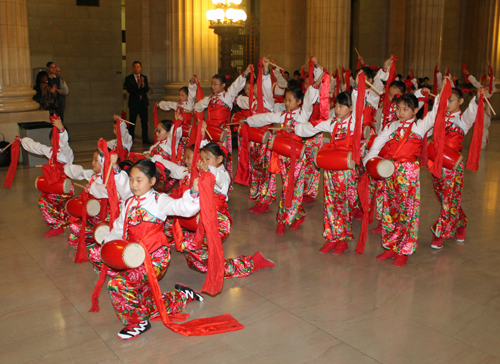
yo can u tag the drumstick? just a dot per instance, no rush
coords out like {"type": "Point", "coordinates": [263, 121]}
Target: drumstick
{"type": "Point", "coordinates": [275, 128]}
{"type": "Point", "coordinates": [39, 166]}
{"type": "Point", "coordinates": [373, 87]}
{"type": "Point", "coordinates": [7, 147]}
{"type": "Point", "coordinates": [359, 55]}
{"type": "Point", "coordinates": [218, 184]}
{"type": "Point", "coordinates": [128, 122]}
{"type": "Point", "coordinates": [206, 131]}
{"type": "Point", "coordinates": [229, 124]}
{"type": "Point", "coordinates": [275, 65]}
{"type": "Point", "coordinates": [488, 102]}
{"type": "Point", "coordinates": [79, 185]}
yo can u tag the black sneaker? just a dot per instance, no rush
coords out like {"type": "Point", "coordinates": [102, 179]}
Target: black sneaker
{"type": "Point", "coordinates": [190, 293]}
{"type": "Point", "coordinates": [131, 331]}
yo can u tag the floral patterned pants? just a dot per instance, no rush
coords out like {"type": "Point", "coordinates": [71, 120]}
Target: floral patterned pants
{"type": "Point", "coordinates": [340, 193]}
{"type": "Point", "coordinates": [312, 173]}
{"type": "Point", "coordinates": [449, 190]}
{"type": "Point", "coordinates": [52, 207]}
{"type": "Point", "coordinates": [130, 292]}
{"type": "Point", "coordinates": [197, 259]}
{"type": "Point", "coordinates": [296, 211]}
{"type": "Point", "coordinates": [262, 182]}
{"type": "Point", "coordinates": [401, 208]}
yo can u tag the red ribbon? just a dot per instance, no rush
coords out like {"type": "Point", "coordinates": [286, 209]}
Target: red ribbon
{"type": "Point", "coordinates": [439, 130]}
{"type": "Point", "coordinates": [196, 154]}
{"type": "Point", "coordinates": [119, 142]}
{"type": "Point", "coordinates": [14, 158]}
{"type": "Point", "coordinates": [348, 80]}
{"type": "Point", "coordinates": [464, 70]}
{"type": "Point", "coordinates": [209, 225]}
{"type": "Point", "coordinates": [199, 97]}
{"type": "Point", "coordinates": [311, 71]}
{"type": "Point", "coordinates": [81, 252]}
{"type": "Point", "coordinates": [114, 203]}
{"type": "Point", "coordinates": [424, 154]}
{"type": "Point", "coordinates": [324, 100]}
{"type": "Point", "coordinates": [250, 92]}
{"type": "Point", "coordinates": [243, 173]}
{"type": "Point", "coordinates": [387, 102]}
{"type": "Point", "coordinates": [363, 193]}
{"type": "Point", "coordinates": [260, 92]}
{"type": "Point", "coordinates": [360, 104]}
{"type": "Point", "coordinates": [477, 137]}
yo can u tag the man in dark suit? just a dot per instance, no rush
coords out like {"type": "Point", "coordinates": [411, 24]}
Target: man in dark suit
{"type": "Point", "coordinates": [137, 86]}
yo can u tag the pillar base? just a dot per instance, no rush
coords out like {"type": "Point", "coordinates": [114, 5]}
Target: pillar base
{"type": "Point", "coordinates": [9, 120]}
{"type": "Point", "coordinates": [17, 99]}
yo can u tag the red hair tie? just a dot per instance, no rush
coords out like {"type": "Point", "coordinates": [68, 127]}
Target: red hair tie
{"type": "Point", "coordinates": [225, 151]}
{"type": "Point", "coordinates": [227, 77]}
{"type": "Point", "coordinates": [466, 90]}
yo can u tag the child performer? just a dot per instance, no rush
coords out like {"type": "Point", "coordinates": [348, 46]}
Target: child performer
{"type": "Point", "coordinates": [339, 186]}
{"type": "Point", "coordinates": [163, 148]}
{"type": "Point", "coordinates": [452, 221]}
{"type": "Point", "coordinates": [183, 107]}
{"type": "Point", "coordinates": [401, 191]}
{"type": "Point", "coordinates": [219, 106]}
{"type": "Point", "coordinates": [97, 189]}
{"type": "Point", "coordinates": [262, 182]}
{"type": "Point", "coordinates": [488, 82]}
{"type": "Point", "coordinates": [52, 205]}
{"type": "Point", "coordinates": [127, 140]}
{"type": "Point", "coordinates": [313, 142]}
{"type": "Point", "coordinates": [141, 219]}
{"type": "Point", "coordinates": [212, 158]}
{"type": "Point", "coordinates": [290, 212]}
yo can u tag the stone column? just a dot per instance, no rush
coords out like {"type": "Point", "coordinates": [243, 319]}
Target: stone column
{"type": "Point", "coordinates": [16, 92]}
{"type": "Point", "coordinates": [328, 32]}
{"type": "Point", "coordinates": [192, 48]}
{"type": "Point", "coordinates": [282, 35]}
{"type": "Point", "coordinates": [423, 36]}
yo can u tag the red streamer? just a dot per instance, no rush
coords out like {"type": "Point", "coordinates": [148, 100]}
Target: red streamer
{"type": "Point", "coordinates": [243, 173]}
{"type": "Point", "coordinates": [360, 104]}
{"type": "Point", "coordinates": [386, 110]}
{"type": "Point", "coordinates": [14, 158]}
{"type": "Point", "coordinates": [477, 137]}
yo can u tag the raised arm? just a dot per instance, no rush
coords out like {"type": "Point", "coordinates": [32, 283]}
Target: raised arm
{"type": "Point", "coordinates": [167, 105]}
{"type": "Point", "coordinates": [75, 171]}
{"type": "Point", "coordinates": [36, 148]}
{"type": "Point", "coordinates": [202, 104]}
{"type": "Point", "coordinates": [186, 206]}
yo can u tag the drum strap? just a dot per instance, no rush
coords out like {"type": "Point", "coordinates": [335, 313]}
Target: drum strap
{"type": "Point", "coordinates": [407, 128]}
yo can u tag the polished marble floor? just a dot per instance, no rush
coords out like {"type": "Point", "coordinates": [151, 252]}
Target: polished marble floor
{"type": "Point", "coordinates": [442, 307]}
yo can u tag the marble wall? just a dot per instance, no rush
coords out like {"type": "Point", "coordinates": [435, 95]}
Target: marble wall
{"type": "Point", "coordinates": [86, 43]}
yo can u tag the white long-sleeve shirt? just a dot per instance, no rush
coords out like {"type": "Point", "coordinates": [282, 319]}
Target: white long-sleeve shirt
{"type": "Point", "coordinates": [420, 127]}
{"type": "Point", "coordinates": [166, 145]}
{"type": "Point", "coordinates": [127, 140]}
{"type": "Point", "coordinates": [176, 171]}
{"type": "Point", "coordinates": [186, 105]}
{"type": "Point", "coordinates": [300, 115]}
{"type": "Point", "coordinates": [226, 96]}
{"type": "Point", "coordinates": [478, 85]}
{"type": "Point", "coordinates": [160, 205]}
{"type": "Point", "coordinates": [308, 130]}
{"type": "Point", "coordinates": [65, 154]}
{"type": "Point", "coordinates": [96, 184]}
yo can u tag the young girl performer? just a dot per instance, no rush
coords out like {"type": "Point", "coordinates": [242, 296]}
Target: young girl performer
{"type": "Point", "coordinates": [313, 142]}
{"type": "Point", "coordinates": [219, 106]}
{"type": "Point", "coordinates": [339, 186]}
{"type": "Point", "coordinates": [489, 84]}
{"type": "Point", "coordinates": [97, 189]}
{"type": "Point", "coordinates": [401, 191]}
{"type": "Point", "coordinates": [291, 211]}
{"type": "Point", "coordinates": [452, 221]}
{"type": "Point", "coordinates": [212, 158]}
{"type": "Point", "coordinates": [257, 155]}
{"type": "Point", "coordinates": [52, 205]}
{"type": "Point", "coordinates": [183, 107]}
{"type": "Point", "coordinates": [124, 140]}
{"type": "Point", "coordinates": [163, 148]}
{"type": "Point", "coordinates": [141, 219]}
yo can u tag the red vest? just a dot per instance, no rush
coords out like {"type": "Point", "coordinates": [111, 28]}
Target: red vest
{"type": "Point", "coordinates": [219, 113]}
